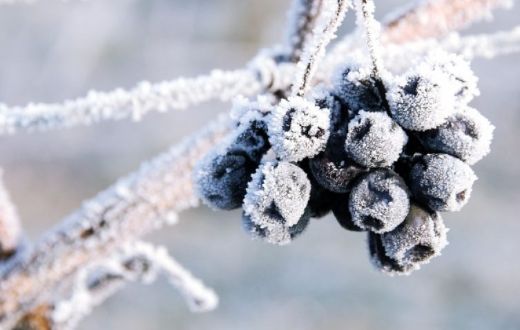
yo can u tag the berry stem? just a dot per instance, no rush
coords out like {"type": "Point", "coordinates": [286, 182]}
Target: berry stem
{"type": "Point", "coordinates": [315, 50]}
{"type": "Point", "coordinates": [303, 14]}
{"type": "Point", "coordinates": [371, 28]}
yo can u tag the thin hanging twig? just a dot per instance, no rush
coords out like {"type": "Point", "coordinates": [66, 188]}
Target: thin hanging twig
{"type": "Point", "coordinates": [314, 51]}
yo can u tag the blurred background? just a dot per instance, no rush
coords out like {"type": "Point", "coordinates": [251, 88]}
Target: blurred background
{"type": "Point", "coordinates": [53, 50]}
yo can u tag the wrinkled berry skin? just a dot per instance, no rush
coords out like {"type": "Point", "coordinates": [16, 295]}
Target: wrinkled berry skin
{"type": "Point", "coordinates": [379, 202]}
{"type": "Point", "coordinates": [442, 182]}
{"type": "Point", "coordinates": [334, 173]}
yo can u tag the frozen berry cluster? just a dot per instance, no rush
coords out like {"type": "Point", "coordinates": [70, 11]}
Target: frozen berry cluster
{"type": "Point", "coordinates": [384, 156]}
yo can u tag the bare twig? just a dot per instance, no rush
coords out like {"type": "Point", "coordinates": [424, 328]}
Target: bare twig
{"type": "Point", "coordinates": [137, 261]}
{"type": "Point", "coordinates": [315, 49]}
{"type": "Point", "coordinates": [133, 207]}
{"type": "Point", "coordinates": [302, 19]}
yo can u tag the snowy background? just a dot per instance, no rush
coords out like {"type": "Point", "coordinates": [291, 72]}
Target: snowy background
{"type": "Point", "coordinates": [54, 50]}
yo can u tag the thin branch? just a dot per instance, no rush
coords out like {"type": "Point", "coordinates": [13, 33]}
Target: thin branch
{"type": "Point", "coordinates": [420, 20]}
{"type": "Point", "coordinates": [314, 51]}
{"type": "Point", "coordinates": [10, 227]}
{"type": "Point", "coordinates": [302, 19]}
{"type": "Point", "coordinates": [133, 207]}
{"type": "Point", "coordinates": [485, 45]}
{"type": "Point", "coordinates": [137, 261]}
{"type": "Point", "coordinates": [137, 102]}
{"type": "Point", "coordinates": [434, 18]}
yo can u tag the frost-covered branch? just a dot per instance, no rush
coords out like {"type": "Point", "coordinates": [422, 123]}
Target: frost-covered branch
{"type": "Point", "coordinates": [302, 18]}
{"type": "Point", "coordinates": [137, 102]}
{"type": "Point", "coordinates": [314, 51]}
{"type": "Point", "coordinates": [10, 227]}
{"type": "Point", "coordinates": [136, 205]}
{"type": "Point", "coordinates": [485, 45]}
{"type": "Point", "coordinates": [417, 21]}
{"type": "Point", "coordinates": [433, 18]}
{"type": "Point", "coordinates": [136, 261]}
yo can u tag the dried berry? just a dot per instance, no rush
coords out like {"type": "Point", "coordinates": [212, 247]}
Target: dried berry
{"type": "Point", "coordinates": [298, 129]}
{"type": "Point", "coordinates": [379, 202]}
{"type": "Point", "coordinates": [374, 139]}
{"type": "Point", "coordinates": [466, 135]}
{"type": "Point", "coordinates": [442, 182]}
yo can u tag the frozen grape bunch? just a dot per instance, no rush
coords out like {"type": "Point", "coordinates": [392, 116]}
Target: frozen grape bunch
{"type": "Point", "coordinates": [386, 153]}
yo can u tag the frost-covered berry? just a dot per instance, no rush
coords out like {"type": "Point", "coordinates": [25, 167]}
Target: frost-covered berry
{"type": "Point", "coordinates": [442, 182]}
{"type": "Point", "coordinates": [374, 139]}
{"type": "Point", "coordinates": [221, 180]}
{"type": "Point", "coordinates": [278, 234]}
{"type": "Point", "coordinates": [334, 172]}
{"type": "Point", "coordinates": [342, 213]}
{"type": "Point", "coordinates": [381, 261]}
{"type": "Point", "coordinates": [466, 135]}
{"type": "Point", "coordinates": [459, 71]}
{"type": "Point", "coordinates": [357, 88]}
{"type": "Point", "coordinates": [298, 129]}
{"type": "Point", "coordinates": [379, 202]}
{"type": "Point", "coordinates": [423, 102]}
{"type": "Point", "coordinates": [278, 193]}
{"type": "Point", "coordinates": [419, 238]}
{"type": "Point", "coordinates": [251, 139]}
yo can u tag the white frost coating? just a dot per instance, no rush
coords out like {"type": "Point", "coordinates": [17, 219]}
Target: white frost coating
{"type": "Point", "coordinates": [442, 181]}
{"type": "Point", "coordinates": [372, 31]}
{"type": "Point", "coordinates": [137, 261]}
{"type": "Point", "coordinates": [417, 240]}
{"type": "Point", "coordinates": [374, 139]}
{"type": "Point", "coordinates": [134, 103]}
{"type": "Point", "coordinates": [301, 20]}
{"type": "Point", "coordinates": [422, 100]}
{"type": "Point", "coordinates": [298, 129]}
{"type": "Point", "coordinates": [244, 111]}
{"type": "Point", "coordinates": [354, 82]}
{"type": "Point", "coordinates": [278, 193]}
{"type": "Point", "coordinates": [463, 80]}
{"type": "Point", "coordinates": [467, 135]}
{"type": "Point", "coordinates": [379, 202]}
{"type": "Point", "coordinates": [10, 228]}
